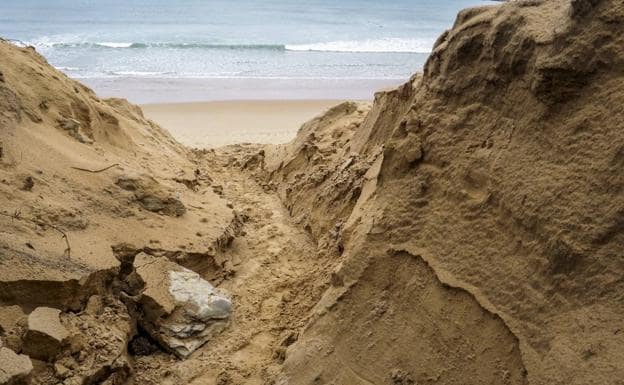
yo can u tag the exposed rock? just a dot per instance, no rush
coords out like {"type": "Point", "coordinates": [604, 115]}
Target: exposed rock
{"type": "Point", "coordinates": [94, 305]}
{"type": "Point", "coordinates": [45, 336]}
{"type": "Point", "coordinates": [181, 310]}
{"type": "Point", "coordinates": [14, 368]}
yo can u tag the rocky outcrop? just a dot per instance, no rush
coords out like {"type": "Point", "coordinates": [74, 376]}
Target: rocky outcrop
{"type": "Point", "coordinates": [179, 309]}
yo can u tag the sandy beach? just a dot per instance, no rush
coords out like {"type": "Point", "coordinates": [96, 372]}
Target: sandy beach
{"type": "Point", "coordinates": [214, 124]}
{"type": "Point", "coordinates": [208, 209]}
{"type": "Point", "coordinates": [145, 90]}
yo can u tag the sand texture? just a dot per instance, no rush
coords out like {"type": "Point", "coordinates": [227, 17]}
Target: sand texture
{"type": "Point", "coordinates": [216, 124]}
{"type": "Point", "coordinates": [464, 228]}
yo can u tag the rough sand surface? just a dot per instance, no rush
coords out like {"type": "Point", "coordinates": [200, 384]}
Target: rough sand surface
{"type": "Point", "coordinates": [215, 124]}
{"type": "Point", "coordinates": [277, 276]}
{"type": "Point", "coordinates": [497, 172]}
{"type": "Point", "coordinates": [465, 228]}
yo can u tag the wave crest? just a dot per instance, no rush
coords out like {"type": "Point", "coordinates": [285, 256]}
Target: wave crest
{"type": "Point", "coordinates": [388, 45]}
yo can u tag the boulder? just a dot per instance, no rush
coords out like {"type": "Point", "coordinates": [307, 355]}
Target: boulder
{"type": "Point", "coordinates": [14, 368]}
{"type": "Point", "coordinates": [180, 309]}
{"type": "Point", "coordinates": [46, 335]}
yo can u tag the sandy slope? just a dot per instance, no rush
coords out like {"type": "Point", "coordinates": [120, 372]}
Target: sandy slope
{"type": "Point", "coordinates": [277, 276]}
{"type": "Point", "coordinates": [476, 210]}
{"type": "Point", "coordinates": [53, 132]}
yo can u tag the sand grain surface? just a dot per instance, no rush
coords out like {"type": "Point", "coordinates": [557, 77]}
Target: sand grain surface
{"type": "Point", "coordinates": [216, 124]}
{"type": "Point", "coordinates": [463, 228]}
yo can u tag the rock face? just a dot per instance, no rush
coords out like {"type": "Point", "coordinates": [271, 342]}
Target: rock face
{"type": "Point", "coordinates": [180, 309]}
{"type": "Point", "coordinates": [14, 368]}
{"type": "Point", "coordinates": [46, 335]}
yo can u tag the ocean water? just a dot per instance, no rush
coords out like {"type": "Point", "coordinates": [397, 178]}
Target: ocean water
{"type": "Point", "coordinates": [322, 44]}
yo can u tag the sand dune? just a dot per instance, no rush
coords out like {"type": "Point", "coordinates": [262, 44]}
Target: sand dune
{"type": "Point", "coordinates": [463, 228]}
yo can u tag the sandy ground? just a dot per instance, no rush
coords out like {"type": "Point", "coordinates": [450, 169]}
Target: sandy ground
{"type": "Point", "coordinates": [214, 124]}
{"type": "Point", "coordinates": [189, 90]}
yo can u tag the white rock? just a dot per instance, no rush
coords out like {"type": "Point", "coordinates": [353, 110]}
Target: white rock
{"type": "Point", "coordinates": [188, 287]}
{"type": "Point", "coordinates": [182, 310]}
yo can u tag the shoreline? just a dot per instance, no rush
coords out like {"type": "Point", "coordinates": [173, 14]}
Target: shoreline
{"type": "Point", "coordinates": [211, 124]}
{"type": "Point", "coordinates": [189, 90]}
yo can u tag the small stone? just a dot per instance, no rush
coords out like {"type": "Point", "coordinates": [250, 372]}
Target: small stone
{"type": "Point", "coordinates": [76, 380]}
{"type": "Point", "coordinates": [401, 377]}
{"type": "Point", "coordinates": [61, 370]}
{"type": "Point", "coordinates": [82, 356]}
{"type": "Point", "coordinates": [14, 368]}
{"type": "Point", "coordinates": [9, 317]}
{"type": "Point", "coordinates": [45, 335]}
{"type": "Point", "coordinates": [77, 343]}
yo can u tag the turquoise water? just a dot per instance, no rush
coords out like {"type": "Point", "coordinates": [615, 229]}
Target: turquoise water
{"type": "Point", "coordinates": [242, 39]}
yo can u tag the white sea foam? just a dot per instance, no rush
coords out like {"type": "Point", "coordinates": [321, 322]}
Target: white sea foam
{"type": "Point", "coordinates": [61, 68]}
{"type": "Point", "coordinates": [114, 45]}
{"type": "Point", "coordinates": [374, 45]}
{"type": "Point", "coordinates": [141, 73]}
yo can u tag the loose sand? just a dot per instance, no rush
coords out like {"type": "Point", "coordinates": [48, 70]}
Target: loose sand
{"type": "Point", "coordinates": [214, 124]}
{"type": "Point", "coordinates": [464, 228]}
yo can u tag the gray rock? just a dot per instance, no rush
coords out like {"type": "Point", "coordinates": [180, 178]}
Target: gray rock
{"type": "Point", "coordinates": [182, 310]}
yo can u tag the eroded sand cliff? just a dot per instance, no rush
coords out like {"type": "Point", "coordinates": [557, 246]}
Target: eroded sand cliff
{"type": "Point", "coordinates": [465, 228]}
